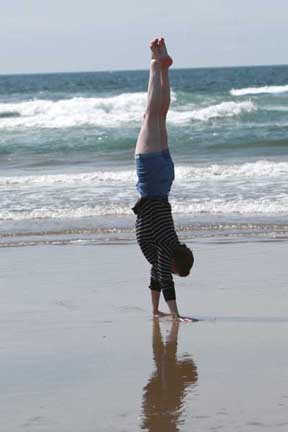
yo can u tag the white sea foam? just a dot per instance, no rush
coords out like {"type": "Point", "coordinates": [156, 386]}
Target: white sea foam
{"type": "Point", "coordinates": [250, 188]}
{"type": "Point", "coordinates": [77, 111]}
{"type": "Point", "coordinates": [238, 206]}
{"type": "Point", "coordinates": [218, 206]}
{"type": "Point", "coordinates": [109, 112]}
{"type": "Point", "coordinates": [259, 90]}
{"type": "Point", "coordinates": [222, 110]}
{"type": "Point", "coordinates": [94, 178]}
{"type": "Point", "coordinates": [66, 213]}
{"type": "Point", "coordinates": [259, 169]}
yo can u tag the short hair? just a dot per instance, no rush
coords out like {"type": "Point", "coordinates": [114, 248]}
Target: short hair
{"type": "Point", "coordinates": [184, 259]}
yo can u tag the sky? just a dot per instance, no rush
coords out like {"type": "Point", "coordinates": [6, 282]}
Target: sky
{"type": "Point", "coordinates": [90, 35]}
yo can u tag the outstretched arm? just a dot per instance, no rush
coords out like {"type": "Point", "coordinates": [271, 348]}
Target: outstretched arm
{"type": "Point", "coordinates": [167, 285]}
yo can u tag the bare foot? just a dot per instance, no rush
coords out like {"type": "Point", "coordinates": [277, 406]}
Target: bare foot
{"type": "Point", "coordinates": [155, 50]}
{"type": "Point", "coordinates": [165, 59]}
{"type": "Point", "coordinates": [159, 53]}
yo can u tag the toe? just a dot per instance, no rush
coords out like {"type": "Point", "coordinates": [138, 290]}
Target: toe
{"type": "Point", "coordinates": [153, 43]}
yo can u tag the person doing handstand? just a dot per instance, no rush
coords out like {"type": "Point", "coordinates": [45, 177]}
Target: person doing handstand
{"type": "Point", "coordinates": [155, 229]}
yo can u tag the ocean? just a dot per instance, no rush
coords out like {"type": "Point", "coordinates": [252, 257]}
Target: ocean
{"type": "Point", "coordinates": [67, 155]}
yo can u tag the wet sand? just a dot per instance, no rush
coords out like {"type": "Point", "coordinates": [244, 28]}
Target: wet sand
{"type": "Point", "coordinates": [79, 350]}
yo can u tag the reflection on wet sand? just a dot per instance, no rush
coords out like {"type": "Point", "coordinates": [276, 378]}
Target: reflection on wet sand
{"type": "Point", "coordinates": [164, 394]}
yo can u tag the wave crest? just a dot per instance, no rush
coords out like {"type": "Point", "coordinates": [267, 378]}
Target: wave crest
{"type": "Point", "coordinates": [115, 111]}
{"type": "Point", "coordinates": [67, 213]}
{"type": "Point", "coordinates": [77, 111]}
{"type": "Point", "coordinates": [218, 206]}
{"type": "Point", "coordinates": [222, 110]}
{"type": "Point", "coordinates": [279, 206]}
{"type": "Point", "coordinates": [258, 169]}
{"type": "Point", "coordinates": [92, 178]}
{"type": "Point", "coordinates": [259, 90]}
{"type": "Point", "coordinates": [261, 168]}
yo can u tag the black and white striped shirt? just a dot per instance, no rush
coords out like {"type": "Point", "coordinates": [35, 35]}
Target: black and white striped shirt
{"type": "Point", "coordinates": [157, 239]}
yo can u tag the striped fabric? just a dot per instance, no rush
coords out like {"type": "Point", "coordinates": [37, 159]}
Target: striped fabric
{"type": "Point", "coordinates": [157, 239]}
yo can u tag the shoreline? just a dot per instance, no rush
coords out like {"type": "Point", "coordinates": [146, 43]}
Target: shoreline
{"type": "Point", "coordinates": [198, 232]}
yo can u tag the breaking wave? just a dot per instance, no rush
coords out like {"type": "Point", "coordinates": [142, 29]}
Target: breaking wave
{"type": "Point", "coordinates": [237, 206]}
{"type": "Point", "coordinates": [224, 206]}
{"type": "Point", "coordinates": [261, 168]}
{"type": "Point", "coordinates": [258, 169]}
{"type": "Point", "coordinates": [107, 193]}
{"type": "Point", "coordinates": [259, 90]}
{"type": "Point", "coordinates": [222, 110]}
{"type": "Point", "coordinates": [67, 213]}
{"type": "Point", "coordinates": [126, 108]}
{"type": "Point", "coordinates": [77, 111]}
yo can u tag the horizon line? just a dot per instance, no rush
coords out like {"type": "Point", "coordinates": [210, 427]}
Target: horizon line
{"type": "Point", "coordinates": [141, 70]}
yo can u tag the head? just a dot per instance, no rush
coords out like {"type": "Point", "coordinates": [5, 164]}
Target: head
{"type": "Point", "coordinates": [182, 261]}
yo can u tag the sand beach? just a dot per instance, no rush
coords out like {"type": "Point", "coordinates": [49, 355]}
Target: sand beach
{"type": "Point", "coordinates": [81, 352]}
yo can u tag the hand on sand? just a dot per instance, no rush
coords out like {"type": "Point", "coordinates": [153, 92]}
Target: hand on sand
{"type": "Point", "coordinates": [174, 317]}
{"type": "Point", "coordinates": [159, 52]}
{"type": "Point", "coordinates": [183, 318]}
{"type": "Point", "coordinates": [160, 314]}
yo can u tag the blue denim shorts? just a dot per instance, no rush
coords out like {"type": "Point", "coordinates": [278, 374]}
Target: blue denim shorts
{"type": "Point", "coordinates": [155, 173]}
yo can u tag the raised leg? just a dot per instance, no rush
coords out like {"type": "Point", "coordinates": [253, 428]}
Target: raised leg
{"type": "Point", "coordinates": [165, 93]}
{"type": "Point", "coordinates": [153, 134]}
{"type": "Point", "coordinates": [149, 139]}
